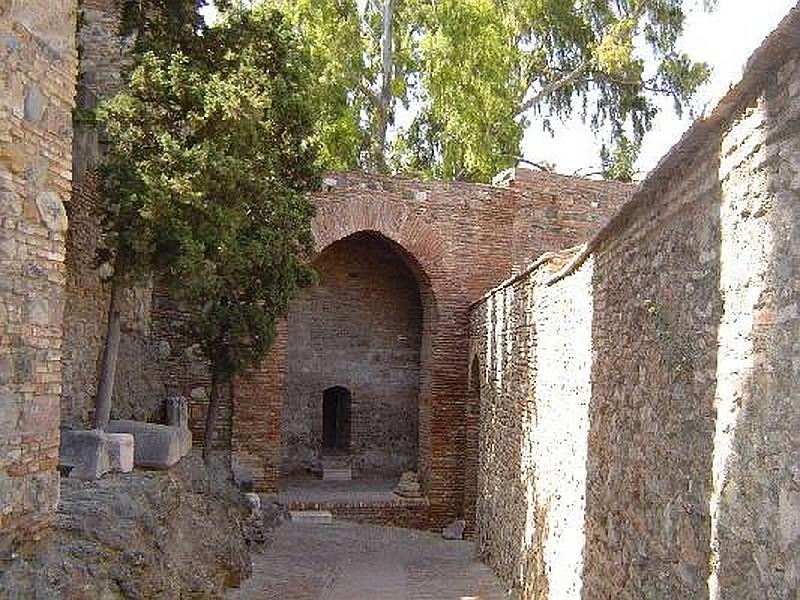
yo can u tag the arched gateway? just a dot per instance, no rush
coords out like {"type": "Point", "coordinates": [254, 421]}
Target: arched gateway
{"type": "Point", "coordinates": [400, 262]}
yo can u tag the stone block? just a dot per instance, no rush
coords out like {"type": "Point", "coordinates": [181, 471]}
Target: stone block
{"type": "Point", "coordinates": [455, 530]}
{"type": "Point", "coordinates": [155, 446]}
{"type": "Point", "coordinates": [311, 517]}
{"type": "Point", "coordinates": [408, 486]}
{"type": "Point", "coordinates": [337, 474]}
{"type": "Point", "coordinates": [52, 211]}
{"type": "Point", "coordinates": [85, 453]}
{"type": "Point", "coordinates": [35, 104]}
{"type": "Point", "coordinates": [120, 451]}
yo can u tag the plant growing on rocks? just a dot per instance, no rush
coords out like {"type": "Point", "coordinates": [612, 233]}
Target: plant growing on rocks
{"type": "Point", "coordinates": [206, 178]}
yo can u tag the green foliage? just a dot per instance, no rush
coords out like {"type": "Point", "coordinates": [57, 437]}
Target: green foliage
{"type": "Point", "coordinates": [162, 25]}
{"type": "Point", "coordinates": [477, 73]}
{"type": "Point", "coordinates": [207, 175]}
{"type": "Point", "coordinates": [620, 163]}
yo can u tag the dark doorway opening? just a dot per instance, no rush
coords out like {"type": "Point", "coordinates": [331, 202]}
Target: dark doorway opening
{"type": "Point", "coordinates": [336, 419]}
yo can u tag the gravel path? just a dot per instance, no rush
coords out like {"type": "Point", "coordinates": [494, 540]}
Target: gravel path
{"type": "Point", "coordinates": [347, 561]}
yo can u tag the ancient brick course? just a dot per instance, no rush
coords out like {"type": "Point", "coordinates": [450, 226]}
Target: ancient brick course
{"type": "Point", "coordinates": [39, 65]}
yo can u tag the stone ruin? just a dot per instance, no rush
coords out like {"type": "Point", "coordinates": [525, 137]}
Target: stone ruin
{"type": "Point", "coordinates": [601, 380]}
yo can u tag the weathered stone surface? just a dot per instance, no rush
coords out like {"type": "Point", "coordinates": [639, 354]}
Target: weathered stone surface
{"type": "Point", "coordinates": [85, 453]}
{"type": "Point", "coordinates": [144, 535]}
{"type": "Point", "coordinates": [120, 451]}
{"type": "Point", "coordinates": [35, 103]}
{"type": "Point", "coordinates": [408, 486]}
{"type": "Point", "coordinates": [156, 446]}
{"type": "Point", "coordinates": [534, 422]}
{"type": "Point", "coordinates": [52, 211]}
{"type": "Point", "coordinates": [93, 453]}
{"type": "Point", "coordinates": [177, 409]}
{"type": "Point", "coordinates": [38, 59]}
{"type": "Point", "coordinates": [455, 530]}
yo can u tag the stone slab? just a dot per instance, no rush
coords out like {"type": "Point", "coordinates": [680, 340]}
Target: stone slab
{"type": "Point", "coordinates": [120, 451]}
{"type": "Point", "coordinates": [311, 516]}
{"type": "Point", "coordinates": [85, 453]}
{"type": "Point", "coordinates": [156, 446]}
{"type": "Point", "coordinates": [337, 474]}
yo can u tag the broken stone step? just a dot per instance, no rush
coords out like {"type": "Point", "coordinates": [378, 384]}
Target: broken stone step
{"type": "Point", "coordinates": [337, 474]}
{"type": "Point", "coordinates": [311, 516]}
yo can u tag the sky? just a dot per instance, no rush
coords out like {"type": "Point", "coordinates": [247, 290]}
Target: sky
{"type": "Point", "coordinates": [724, 38]}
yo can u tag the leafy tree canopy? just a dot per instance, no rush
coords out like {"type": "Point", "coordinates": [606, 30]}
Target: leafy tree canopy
{"type": "Point", "coordinates": [476, 73]}
{"type": "Point", "coordinates": [207, 171]}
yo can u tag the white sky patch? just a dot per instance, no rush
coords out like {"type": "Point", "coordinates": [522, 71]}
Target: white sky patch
{"type": "Point", "coordinates": [209, 12]}
{"type": "Point", "coordinates": [724, 38]}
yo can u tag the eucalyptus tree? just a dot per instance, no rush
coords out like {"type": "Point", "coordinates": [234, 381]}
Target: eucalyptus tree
{"type": "Point", "coordinates": [474, 74]}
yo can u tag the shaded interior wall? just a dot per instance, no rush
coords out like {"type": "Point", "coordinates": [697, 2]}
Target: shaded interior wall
{"type": "Point", "coordinates": [37, 51]}
{"type": "Point", "coordinates": [359, 328]}
{"type": "Point", "coordinates": [691, 487]}
{"type": "Point", "coordinates": [533, 343]}
{"type": "Point", "coordinates": [138, 391]}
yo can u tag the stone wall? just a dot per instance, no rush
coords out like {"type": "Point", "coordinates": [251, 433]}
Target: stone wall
{"type": "Point", "coordinates": [38, 82]}
{"type": "Point", "coordinates": [360, 328]}
{"type": "Point", "coordinates": [689, 477]}
{"type": "Point", "coordinates": [531, 346]}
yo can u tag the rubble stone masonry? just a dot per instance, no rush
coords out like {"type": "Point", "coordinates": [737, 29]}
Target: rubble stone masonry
{"type": "Point", "coordinates": [37, 89]}
{"type": "Point", "coordinates": [685, 433]}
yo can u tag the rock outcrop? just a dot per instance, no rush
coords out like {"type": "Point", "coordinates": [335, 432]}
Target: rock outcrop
{"type": "Point", "coordinates": [145, 534]}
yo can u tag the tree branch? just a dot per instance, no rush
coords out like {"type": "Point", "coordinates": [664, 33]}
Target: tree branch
{"type": "Point", "coordinates": [553, 87]}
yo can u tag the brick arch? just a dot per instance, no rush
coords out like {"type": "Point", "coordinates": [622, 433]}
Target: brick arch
{"type": "Point", "coordinates": [418, 238]}
{"type": "Point", "coordinates": [256, 435]}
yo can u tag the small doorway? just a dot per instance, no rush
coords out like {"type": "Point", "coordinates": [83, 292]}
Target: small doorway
{"type": "Point", "coordinates": [336, 419]}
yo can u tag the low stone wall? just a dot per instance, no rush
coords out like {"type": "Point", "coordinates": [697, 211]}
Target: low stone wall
{"type": "Point", "coordinates": [403, 512]}
{"type": "Point", "coordinates": [678, 407]}
{"type": "Point", "coordinates": [37, 52]}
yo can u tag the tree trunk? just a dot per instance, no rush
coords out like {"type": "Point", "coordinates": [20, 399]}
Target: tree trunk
{"type": "Point", "coordinates": [211, 419]}
{"type": "Point", "coordinates": [108, 364]}
{"type": "Point", "coordinates": [384, 99]}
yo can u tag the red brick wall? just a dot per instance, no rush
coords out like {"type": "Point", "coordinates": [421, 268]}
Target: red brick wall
{"type": "Point", "coordinates": [359, 328]}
